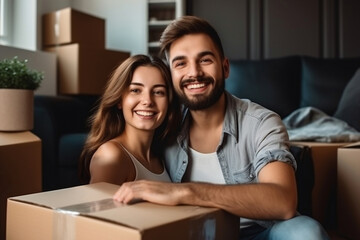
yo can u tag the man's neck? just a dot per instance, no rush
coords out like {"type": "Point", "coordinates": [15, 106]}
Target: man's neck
{"type": "Point", "coordinates": [210, 117]}
{"type": "Point", "coordinates": [206, 127]}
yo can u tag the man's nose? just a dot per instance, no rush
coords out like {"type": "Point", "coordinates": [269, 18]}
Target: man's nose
{"type": "Point", "coordinates": [195, 70]}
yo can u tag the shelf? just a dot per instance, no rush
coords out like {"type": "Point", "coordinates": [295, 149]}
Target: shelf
{"type": "Point", "coordinates": [154, 44]}
{"type": "Point", "coordinates": [161, 1]}
{"type": "Point", "coordinates": [160, 14]}
{"type": "Point", "coordinates": [161, 23]}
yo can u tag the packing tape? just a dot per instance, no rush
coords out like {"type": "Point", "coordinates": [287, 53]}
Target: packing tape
{"type": "Point", "coordinates": [64, 225]}
{"type": "Point", "coordinates": [65, 217]}
{"type": "Point", "coordinates": [57, 24]}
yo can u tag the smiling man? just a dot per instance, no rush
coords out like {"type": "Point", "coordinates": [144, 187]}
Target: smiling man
{"type": "Point", "coordinates": [230, 153]}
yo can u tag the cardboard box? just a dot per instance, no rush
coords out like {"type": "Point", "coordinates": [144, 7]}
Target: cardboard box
{"type": "Point", "coordinates": [83, 69]}
{"type": "Point", "coordinates": [348, 195]}
{"type": "Point", "coordinates": [88, 212]}
{"type": "Point", "coordinates": [20, 168]}
{"type": "Point", "coordinates": [67, 26]}
{"type": "Point", "coordinates": [324, 157]}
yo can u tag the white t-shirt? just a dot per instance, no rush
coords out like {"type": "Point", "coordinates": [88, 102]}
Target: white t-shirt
{"type": "Point", "coordinates": [204, 167]}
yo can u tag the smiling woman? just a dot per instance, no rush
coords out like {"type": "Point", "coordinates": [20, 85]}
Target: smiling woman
{"type": "Point", "coordinates": [137, 114]}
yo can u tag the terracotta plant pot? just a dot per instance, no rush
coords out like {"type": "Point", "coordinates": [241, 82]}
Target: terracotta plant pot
{"type": "Point", "coordinates": [16, 109]}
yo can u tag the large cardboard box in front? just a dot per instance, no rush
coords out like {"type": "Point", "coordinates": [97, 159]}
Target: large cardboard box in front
{"type": "Point", "coordinates": [67, 26]}
{"type": "Point", "coordinates": [20, 168]}
{"type": "Point", "coordinates": [83, 69]}
{"type": "Point", "coordinates": [348, 195]}
{"type": "Point", "coordinates": [89, 213]}
{"type": "Point", "coordinates": [324, 158]}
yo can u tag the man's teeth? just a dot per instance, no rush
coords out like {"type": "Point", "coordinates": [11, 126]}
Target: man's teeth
{"type": "Point", "coordinates": [197, 85]}
{"type": "Point", "coordinates": [145, 113]}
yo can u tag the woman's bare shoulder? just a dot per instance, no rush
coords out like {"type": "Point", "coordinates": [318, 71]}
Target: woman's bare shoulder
{"type": "Point", "coordinates": [111, 163]}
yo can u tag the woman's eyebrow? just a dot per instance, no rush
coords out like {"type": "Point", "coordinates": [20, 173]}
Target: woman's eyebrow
{"type": "Point", "coordinates": [142, 85]}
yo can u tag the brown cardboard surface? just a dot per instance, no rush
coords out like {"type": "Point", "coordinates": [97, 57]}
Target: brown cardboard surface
{"type": "Point", "coordinates": [20, 168]}
{"type": "Point", "coordinates": [101, 218]}
{"type": "Point", "coordinates": [324, 156]}
{"type": "Point", "coordinates": [16, 109]}
{"type": "Point", "coordinates": [83, 69]}
{"type": "Point", "coordinates": [67, 26]}
{"type": "Point", "coordinates": [348, 195]}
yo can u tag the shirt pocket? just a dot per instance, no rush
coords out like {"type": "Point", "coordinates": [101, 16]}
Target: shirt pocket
{"type": "Point", "coordinates": [246, 175]}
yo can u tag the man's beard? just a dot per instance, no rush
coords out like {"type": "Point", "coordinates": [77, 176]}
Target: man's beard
{"type": "Point", "coordinates": [200, 102]}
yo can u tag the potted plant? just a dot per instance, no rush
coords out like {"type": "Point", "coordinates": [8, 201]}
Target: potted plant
{"type": "Point", "coordinates": [17, 85]}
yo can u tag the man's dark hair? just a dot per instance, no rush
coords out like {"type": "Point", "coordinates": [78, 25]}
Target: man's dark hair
{"type": "Point", "coordinates": [188, 25]}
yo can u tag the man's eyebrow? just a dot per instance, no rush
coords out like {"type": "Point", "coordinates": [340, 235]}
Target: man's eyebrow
{"type": "Point", "coordinates": [177, 58]}
{"type": "Point", "coordinates": [201, 54]}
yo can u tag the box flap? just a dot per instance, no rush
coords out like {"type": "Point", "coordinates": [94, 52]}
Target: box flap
{"type": "Point", "coordinates": [352, 145]}
{"type": "Point", "coordinates": [95, 201]}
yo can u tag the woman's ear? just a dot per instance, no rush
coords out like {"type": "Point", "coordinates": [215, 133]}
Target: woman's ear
{"type": "Point", "coordinates": [119, 105]}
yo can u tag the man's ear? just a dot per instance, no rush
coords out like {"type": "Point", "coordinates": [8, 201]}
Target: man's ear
{"type": "Point", "coordinates": [226, 67]}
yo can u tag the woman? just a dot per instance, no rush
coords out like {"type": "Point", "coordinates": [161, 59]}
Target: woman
{"type": "Point", "coordinates": [137, 114]}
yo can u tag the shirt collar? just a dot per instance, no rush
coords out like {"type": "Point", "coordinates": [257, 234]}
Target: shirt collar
{"type": "Point", "coordinates": [230, 121]}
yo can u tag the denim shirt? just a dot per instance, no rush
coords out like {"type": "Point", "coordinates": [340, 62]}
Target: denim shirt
{"type": "Point", "coordinates": [252, 136]}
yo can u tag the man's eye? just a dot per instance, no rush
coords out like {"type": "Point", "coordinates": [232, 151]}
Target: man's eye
{"type": "Point", "coordinates": [179, 64]}
{"type": "Point", "coordinates": [206, 60]}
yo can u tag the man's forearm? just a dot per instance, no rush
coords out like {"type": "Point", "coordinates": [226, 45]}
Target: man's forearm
{"type": "Point", "coordinates": [256, 201]}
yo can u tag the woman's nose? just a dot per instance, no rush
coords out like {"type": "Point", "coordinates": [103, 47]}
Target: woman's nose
{"type": "Point", "coordinates": [147, 99]}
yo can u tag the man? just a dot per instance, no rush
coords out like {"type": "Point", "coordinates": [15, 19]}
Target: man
{"type": "Point", "coordinates": [230, 153]}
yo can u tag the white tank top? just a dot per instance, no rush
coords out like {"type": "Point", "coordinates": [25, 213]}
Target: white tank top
{"type": "Point", "coordinates": [143, 173]}
{"type": "Point", "coordinates": [205, 167]}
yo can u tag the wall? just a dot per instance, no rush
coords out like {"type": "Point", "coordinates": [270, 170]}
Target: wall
{"type": "Point", "coordinates": [42, 61]}
{"type": "Point", "coordinates": [257, 29]}
{"type": "Point", "coordinates": [125, 22]}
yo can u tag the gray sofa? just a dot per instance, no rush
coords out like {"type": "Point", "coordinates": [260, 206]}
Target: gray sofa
{"type": "Point", "coordinates": [282, 85]}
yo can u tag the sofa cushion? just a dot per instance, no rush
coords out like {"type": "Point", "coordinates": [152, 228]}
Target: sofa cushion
{"type": "Point", "coordinates": [323, 81]}
{"type": "Point", "coordinates": [349, 106]}
{"type": "Point", "coordinates": [272, 83]}
{"type": "Point", "coordinates": [70, 147]}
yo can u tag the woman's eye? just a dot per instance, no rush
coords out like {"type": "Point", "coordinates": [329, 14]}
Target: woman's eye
{"type": "Point", "coordinates": [134, 90]}
{"type": "Point", "coordinates": [160, 93]}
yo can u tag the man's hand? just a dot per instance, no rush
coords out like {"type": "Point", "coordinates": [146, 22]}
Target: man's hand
{"type": "Point", "coordinates": [156, 192]}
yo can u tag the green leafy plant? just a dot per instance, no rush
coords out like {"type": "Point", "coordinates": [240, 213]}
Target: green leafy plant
{"type": "Point", "coordinates": [15, 74]}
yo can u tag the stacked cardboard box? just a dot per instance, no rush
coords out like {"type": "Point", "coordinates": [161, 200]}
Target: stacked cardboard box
{"type": "Point", "coordinates": [348, 191]}
{"type": "Point", "coordinates": [88, 212]}
{"type": "Point", "coordinates": [78, 39]}
{"type": "Point", "coordinates": [324, 158]}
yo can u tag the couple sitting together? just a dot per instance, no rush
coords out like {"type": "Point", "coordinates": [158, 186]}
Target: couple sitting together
{"type": "Point", "coordinates": [169, 133]}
